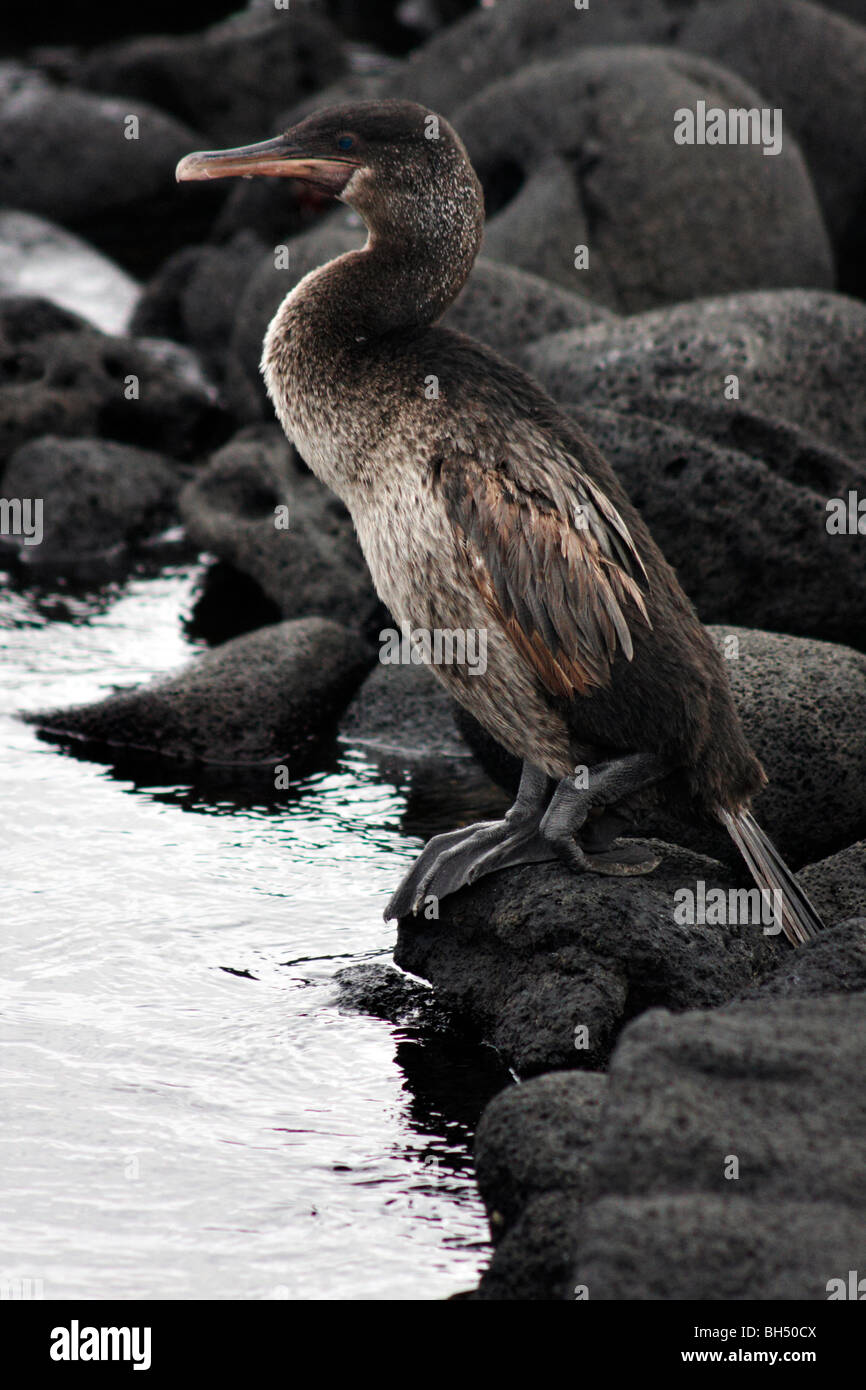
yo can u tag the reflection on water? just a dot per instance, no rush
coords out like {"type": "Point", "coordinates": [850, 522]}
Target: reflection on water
{"type": "Point", "coordinates": [187, 1113]}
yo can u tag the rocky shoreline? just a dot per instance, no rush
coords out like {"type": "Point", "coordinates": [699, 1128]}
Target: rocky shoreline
{"type": "Point", "coordinates": [690, 1121]}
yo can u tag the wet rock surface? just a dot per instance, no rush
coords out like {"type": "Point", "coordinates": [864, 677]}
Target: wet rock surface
{"type": "Point", "coordinates": [41, 259]}
{"type": "Point", "coordinates": [257, 700]}
{"type": "Point", "coordinates": [401, 709]}
{"type": "Point", "coordinates": [92, 184]}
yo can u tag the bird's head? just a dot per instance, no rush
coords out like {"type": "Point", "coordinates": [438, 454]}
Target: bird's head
{"type": "Point", "coordinates": [400, 165]}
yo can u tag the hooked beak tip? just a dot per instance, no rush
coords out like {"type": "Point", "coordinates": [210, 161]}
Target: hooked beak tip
{"type": "Point", "coordinates": [191, 167]}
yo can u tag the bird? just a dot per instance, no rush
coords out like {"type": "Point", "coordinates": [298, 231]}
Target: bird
{"type": "Point", "coordinates": [482, 507]}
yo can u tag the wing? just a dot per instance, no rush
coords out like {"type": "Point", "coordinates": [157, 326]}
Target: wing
{"type": "Point", "coordinates": [553, 561]}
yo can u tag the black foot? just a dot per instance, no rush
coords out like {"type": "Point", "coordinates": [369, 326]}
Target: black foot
{"type": "Point", "coordinates": [540, 827]}
{"type": "Point", "coordinates": [452, 861]}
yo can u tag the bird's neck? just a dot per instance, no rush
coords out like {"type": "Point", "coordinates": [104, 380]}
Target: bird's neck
{"type": "Point", "coordinates": [405, 277]}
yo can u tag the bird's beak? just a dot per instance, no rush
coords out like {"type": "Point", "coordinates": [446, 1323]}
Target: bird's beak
{"type": "Point", "coordinates": [277, 158]}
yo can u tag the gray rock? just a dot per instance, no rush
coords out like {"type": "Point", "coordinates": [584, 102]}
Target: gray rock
{"type": "Point", "coordinates": [39, 258]}
{"type": "Point", "coordinates": [738, 504]}
{"type": "Point", "coordinates": [509, 308]}
{"type": "Point", "coordinates": [833, 963]}
{"type": "Point", "coordinates": [376, 989]}
{"type": "Point", "coordinates": [230, 81]}
{"type": "Point", "coordinates": [855, 9]}
{"type": "Point", "coordinates": [622, 1193]}
{"type": "Point", "coordinates": [535, 1138]}
{"type": "Point", "coordinates": [777, 1085]}
{"type": "Point", "coordinates": [403, 711]}
{"type": "Point", "coordinates": [838, 883]}
{"type": "Point", "coordinates": [531, 954]}
{"type": "Point", "coordinates": [97, 496]}
{"type": "Point", "coordinates": [772, 44]}
{"type": "Point", "coordinates": [800, 357]}
{"type": "Point", "coordinates": [582, 151]}
{"type": "Point", "coordinates": [532, 1151]}
{"type": "Point", "coordinates": [60, 376]}
{"type": "Point", "coordinates": [195, 295]}
{"type": "Point", "coordinates": [115, 191]}
{"type": "Point", "coordinates": [490, 42]}
{"type": "Point", "coordinates": [706, 1248]}
{"type": "Point", "coordinates": [534, 1260]}
{"type": "Point", "coordinates": [314, 566]}
{"type": "Point", "coordinates": [260, 699]}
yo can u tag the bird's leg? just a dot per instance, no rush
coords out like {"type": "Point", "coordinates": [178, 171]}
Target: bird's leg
{"type": "Point", "coordinates": [608, 784]}
{"type": "Point", "coordinates": [445, 863]}
{"type": "Point", "coordinates": [538, 828]}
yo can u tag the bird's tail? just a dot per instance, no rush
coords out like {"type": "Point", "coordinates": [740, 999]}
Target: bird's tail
{"type": "Point", "coordinates": [800, 921]}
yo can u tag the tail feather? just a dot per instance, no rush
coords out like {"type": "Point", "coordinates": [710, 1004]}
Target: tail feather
{"type": "Point", "coordinates": [800, 921]}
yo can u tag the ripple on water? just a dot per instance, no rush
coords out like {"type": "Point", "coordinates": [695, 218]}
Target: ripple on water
{"type": "Point", "coordinates": [188, 1113]}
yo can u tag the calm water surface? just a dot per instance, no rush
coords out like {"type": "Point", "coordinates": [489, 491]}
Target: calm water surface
{"type": "Point", "coordinates": [187, 1113]}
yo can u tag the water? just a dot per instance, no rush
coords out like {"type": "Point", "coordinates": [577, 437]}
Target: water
{"type": "Point", "coordinates": [186, 1111]}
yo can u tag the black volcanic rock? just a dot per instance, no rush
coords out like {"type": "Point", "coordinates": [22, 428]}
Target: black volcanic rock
{"type": "Point", "coordinates": [799, 355]}
{"type": "Point", "coordinates": [833, 963]}
{"type": "Point", "coordinates": [839, 882]}
{"type": "Point", "coordinates": [627, 1189]}
{"type": "Point", "coordinates": [119, 193]}
{"type": "Point", "coordinates": [581, 152]}
{"type": "Point", "coordinates": [774, 1085]}
{"type": "Point", "coordinates": [532, 1162]}
{"type": "Point", "coordinates": [230, 81]}
{"type": "Point", "coordinates": [493, 41]}
{"type": "Point", "coordinates": [772, 44]}
{"type": "Point", "coordinates": [532, 955]}
{"type": "Point", "coordinates": [260, 699]}
{"type": "Point", "coordinates": [195, 295]}
{"type": "Point", "coordinates": [535, 1138]}
{"type": "Point", "coordinates": [312, 566]}
{"type": "Point", "coordinates": [97, 496]}
{"type": "Point", "coordinates": [508, 308]}
{"type": "Point", "coordinates": [403, 710]}
{"type": "Point", "coordinates": [738, 503]}
{"type": "Point", "coordinates": [61, 376]}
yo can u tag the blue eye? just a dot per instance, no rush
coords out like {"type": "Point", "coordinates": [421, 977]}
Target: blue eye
{"type": "Point", "coordinates": [345, 142]}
